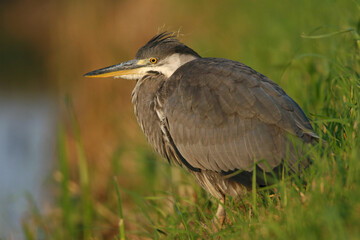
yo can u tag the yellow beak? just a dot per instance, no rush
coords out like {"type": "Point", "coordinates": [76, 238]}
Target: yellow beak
{"type": "Point", "coordinates": [125, 68]}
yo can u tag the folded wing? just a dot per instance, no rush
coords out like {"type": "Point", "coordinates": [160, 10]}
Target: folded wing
{"type": "Point", "coordinates": [222, 116]}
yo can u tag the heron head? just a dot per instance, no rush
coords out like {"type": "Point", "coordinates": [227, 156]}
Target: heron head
{"type": "Point", "coordinates": [163, 54]}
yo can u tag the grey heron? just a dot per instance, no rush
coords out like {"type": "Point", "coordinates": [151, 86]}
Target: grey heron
{"type": "Point", "coordinates": [217, 118]}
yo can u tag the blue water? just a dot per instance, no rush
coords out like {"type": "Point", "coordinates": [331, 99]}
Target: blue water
{"type": "Point", "coordinates": [27, 144]}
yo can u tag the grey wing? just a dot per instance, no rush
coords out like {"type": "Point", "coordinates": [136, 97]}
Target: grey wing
{"type": "Point", "coordinates": [223, 115]}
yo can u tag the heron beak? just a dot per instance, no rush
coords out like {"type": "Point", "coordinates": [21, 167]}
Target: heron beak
{"type": "Point", "coordinates": [125, 68]}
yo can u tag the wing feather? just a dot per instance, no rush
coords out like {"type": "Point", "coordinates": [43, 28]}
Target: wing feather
{"type": "Point", "coordinates": [223, 115]}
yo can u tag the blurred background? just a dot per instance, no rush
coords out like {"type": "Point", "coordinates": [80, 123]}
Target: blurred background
{"type": "Point", "coordinates": [63, 138]}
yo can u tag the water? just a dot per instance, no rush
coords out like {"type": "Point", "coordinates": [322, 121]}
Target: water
{"type": "Point", "coordinates": [27, 140]}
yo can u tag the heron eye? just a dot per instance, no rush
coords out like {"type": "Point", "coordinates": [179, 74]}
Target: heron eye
{"type": "Point", "coordinates": [153, 60]}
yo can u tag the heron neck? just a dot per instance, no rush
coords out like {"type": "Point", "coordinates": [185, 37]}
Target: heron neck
{"type": "Point", "coordinates": [143, 98]}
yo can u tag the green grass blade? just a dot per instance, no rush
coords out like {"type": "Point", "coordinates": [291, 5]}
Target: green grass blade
{"type": "Point", "coordinates": [327, 34]}
{"type": "Point", "coordinates": [65, 198]}
{"type": "Point", "coordinates": [120, 212]}
{"type": "Point", "coordinates": [86, 202]}
{"type": "Point", "coordinates": [254, 192]}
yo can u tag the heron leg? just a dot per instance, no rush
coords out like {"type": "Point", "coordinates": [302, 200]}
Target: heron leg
{"type": "Point", "coordinates": [220, 215]}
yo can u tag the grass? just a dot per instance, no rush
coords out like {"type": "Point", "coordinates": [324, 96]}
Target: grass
{"type": "Point", "coordinates": [318, 68]}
